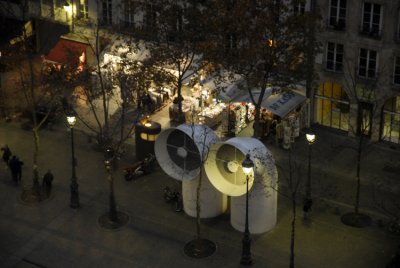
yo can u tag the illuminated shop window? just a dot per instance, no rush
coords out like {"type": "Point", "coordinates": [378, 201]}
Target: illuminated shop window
{"type": "Point", "coordinates": [391, 121]}
{"type": "Point", "coordinates": [332, 106]}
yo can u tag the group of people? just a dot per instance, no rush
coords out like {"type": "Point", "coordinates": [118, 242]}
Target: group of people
{"type": "Point", "coordinates": [15, 165]}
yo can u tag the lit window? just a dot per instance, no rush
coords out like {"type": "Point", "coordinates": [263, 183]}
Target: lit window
{"type": "Point", "coordinates": [83, 9]}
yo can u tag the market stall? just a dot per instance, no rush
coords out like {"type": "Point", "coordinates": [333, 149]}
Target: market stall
{"type": "Point", "coordinates": [282, 113]}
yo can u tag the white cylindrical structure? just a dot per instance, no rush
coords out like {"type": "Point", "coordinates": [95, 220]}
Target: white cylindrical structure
{"type": "Point", "coordinates": [180, 152]}
{"type": "Point", "coordinates": [223, 167]}
{"type": "Point", "coordinates": [212, 202]}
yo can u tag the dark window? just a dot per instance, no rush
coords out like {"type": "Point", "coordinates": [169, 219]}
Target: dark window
{"type": "Point", "coordinates": [371, 23]}
{"type": "Point", "coordinates": [396, 76]}
{"type": "Point", "coordinates": [151, 16]}
{"type": "Point", "coordinates": [129, 13]}
{"type": "Point", "coordinates": [299, 7]}
{"type": "Point", "coordinates": [367, 63]}
{"type": "Point", "coordinates": [107, 12]}
{"type": "Point", "coordinates": [334, 57]}
{"type": "Point", "coordinates": [337, 14]}
{"type": "Point", "coordinates": [230, 42]}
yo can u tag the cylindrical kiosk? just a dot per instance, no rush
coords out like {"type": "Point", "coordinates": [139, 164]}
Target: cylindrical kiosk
{"type": "Point", "coordinates": [180, 152]}
{"type": "Point", "coordinates": [145, 136]}
{"type": "Point", "coordinates": [224, 168]}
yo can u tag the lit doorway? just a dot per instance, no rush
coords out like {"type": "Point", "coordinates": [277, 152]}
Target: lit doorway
{"type": "Point", "coordinates": [365, 118]}
{"type": "Point", "coordinates": [391, 120]}
{"type": "Point", "coordinates": [332, 106]}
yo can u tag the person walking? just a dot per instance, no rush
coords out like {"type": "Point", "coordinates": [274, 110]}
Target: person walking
{"type": "Point", "coordinates": [16, 169]}
{"type": "Point", "coordinates": [6, 154]}
{"type": "Point", "coordinates": [47, 182]}
{"type": "Point", "coordinates": [19, 170]}
{"type": "Point", "coordinates": [13, 164]}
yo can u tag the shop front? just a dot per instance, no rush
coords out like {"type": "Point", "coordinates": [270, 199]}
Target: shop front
{"type": "Point", "coordinates": [206, 101]}
{"type": "Point", "coordinates": [283, 114]}
{"type": "Point", "coordinates": [68, 52]}
{"type": "Point", "coordinates": [391, 120]}
{"type": "Point", "coordinates": [128, 52]}
{"type": "Point", "coordinates": [332, 106]}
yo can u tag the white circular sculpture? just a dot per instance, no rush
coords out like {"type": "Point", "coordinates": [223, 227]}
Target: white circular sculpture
{"type": "Point", "coordinates": [224, 168]}
{"type": "Point", "coordinates": [180, 152]}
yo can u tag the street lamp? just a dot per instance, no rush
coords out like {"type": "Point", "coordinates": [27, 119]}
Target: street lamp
{"type": "Point", "coordinates": [310, 136]}
{"type": "Point", "coordinates": [247, 166]}
{"type": "Point", "coordinates": [71, 118]}
{"type": "Point", "coordinates": [108, 162]}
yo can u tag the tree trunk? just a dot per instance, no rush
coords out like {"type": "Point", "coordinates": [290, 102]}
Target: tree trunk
{"type": "Point", "coordinates": [198, 207]}
{"type": "Point", "coordinates": [292, 236]}
{"type": "Point", "coordinates": [358, 169]}
{"type": "Point", "coordinates": [179, 91]}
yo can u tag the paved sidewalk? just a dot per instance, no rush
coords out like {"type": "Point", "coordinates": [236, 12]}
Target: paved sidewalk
{"type": "Point", "coordinates": [54, 235]}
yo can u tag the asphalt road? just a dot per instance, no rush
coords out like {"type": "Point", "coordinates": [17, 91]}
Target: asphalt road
{"type": "Point", "coordinates": [54, 235]}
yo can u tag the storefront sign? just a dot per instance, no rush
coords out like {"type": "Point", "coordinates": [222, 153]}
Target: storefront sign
{"type": "Point", "coordinates": [287, 96]}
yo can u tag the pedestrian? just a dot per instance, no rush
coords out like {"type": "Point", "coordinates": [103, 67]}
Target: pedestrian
{"type": "Point", "coordinates": [13, 164]}
{"type": "Point", "coordinates": [47, 181]}
{"type": "Point", "coordinates": [19, 170]}
{"type": "Point", "coordinates": [6, 154]}
{"type": "Point", "coordinates": [307, 204]}
{"type": "Point", "coordinates": [395, 261]}
{"type": "Point", "coordinates": [279, 132]}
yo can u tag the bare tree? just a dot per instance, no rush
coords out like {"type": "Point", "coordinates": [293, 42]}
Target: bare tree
{"type": "Point", "coordinates": [263, 41]}
{"type": "Point", "coordinates": [200, 247]}
{"type": "Point", "coordinates": [32, 79]}
{"type": "Point", "coordinates": [293, 178]}
{"type": "Point", "coordinates": [367, 102]}
{"type": "Point", "coordinates": [177, 40]}
{"type": "Point", "coordinates": [110, 91]}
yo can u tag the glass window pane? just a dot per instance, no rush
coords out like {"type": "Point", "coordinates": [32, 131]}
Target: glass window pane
{"type": "Point", "coordinates": [335, 115]}
{"type": "Point", "coordinates": [344, 121]}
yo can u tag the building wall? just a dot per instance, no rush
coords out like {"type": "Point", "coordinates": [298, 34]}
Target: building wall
{"type": "Point", "coordinates": [387, 47]}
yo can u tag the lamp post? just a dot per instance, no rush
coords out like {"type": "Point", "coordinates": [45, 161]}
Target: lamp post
{"type": "Point", "coordinates": [247, 166]}
{"type": "Point", "coordinates": [310, 136]}
{"type": "Point", "coordinates": [108, 162]}
{"type": "Point", "coordinates": [71, 118]}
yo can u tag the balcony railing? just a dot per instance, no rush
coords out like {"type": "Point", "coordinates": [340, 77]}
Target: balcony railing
{"type": "Point", "coordinates": [336, 25]}
{"type": "Point", "coordinates": [333, 67]}
{"type": "Point", "coordinates": [369, 75]}
{"type": "Point", "coordinates": [372, 32]}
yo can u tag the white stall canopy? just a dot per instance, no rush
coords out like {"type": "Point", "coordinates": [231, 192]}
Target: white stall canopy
{"type": "Point", "coordinates": [134, 51]}
{"type": "Point", "coordinates": [228, 88]}
{"type": "Point", "coordinates": [279, 104]}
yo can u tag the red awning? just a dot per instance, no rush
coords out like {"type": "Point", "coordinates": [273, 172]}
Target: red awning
{"type": "Point", "coordinates": [67, 52]}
